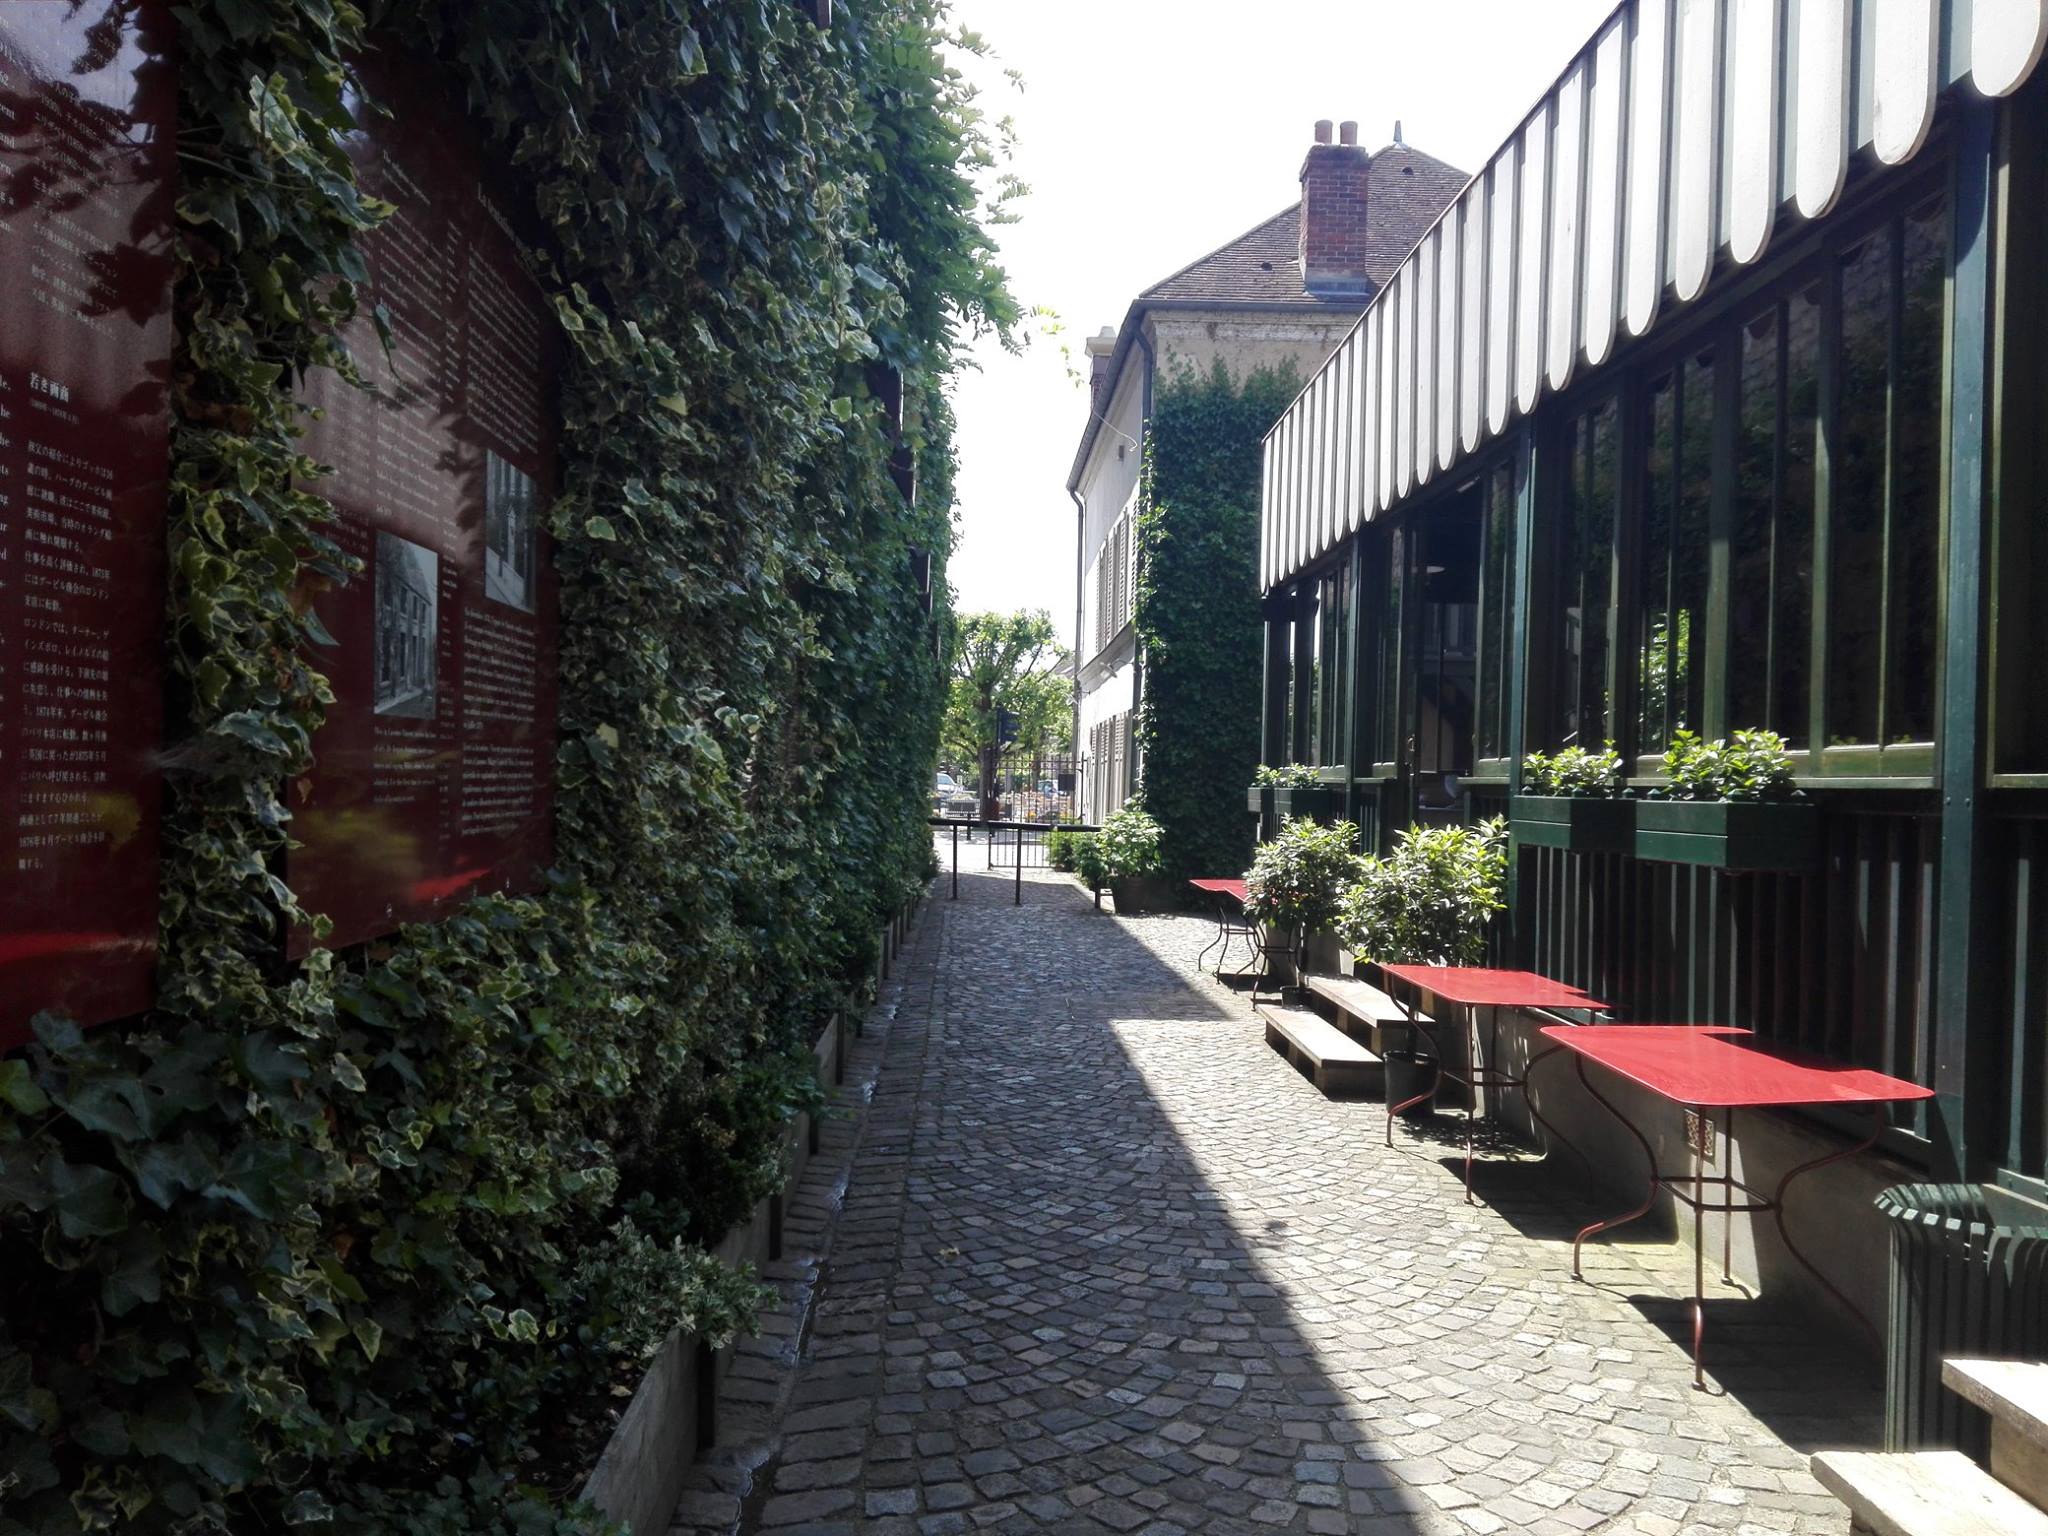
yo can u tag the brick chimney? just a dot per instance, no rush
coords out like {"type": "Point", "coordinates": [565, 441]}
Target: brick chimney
{"type": "Point", "coordinates": [1334, 179]}
{"type": "Point", "coordinates": [1099, 347]}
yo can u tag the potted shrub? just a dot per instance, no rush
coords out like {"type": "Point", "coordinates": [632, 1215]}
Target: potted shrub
{"type": "Point", "coordinates": [1297, 789]}
{"type": "Point", "coordinates": [1088, 865]}
{"type": "Point", "coordinates": [1427, 903]}
{"type": "Point", "coordinates": [1060, 850]}
{"type": "Point", "coordinates": [1294, 886]}
{"type": "Point", "coordinates": [1573, 799]}
{"type": "Point", "coordinates": [1731, 805]}
{"type": "Point", "coordinates": [1129, 844]}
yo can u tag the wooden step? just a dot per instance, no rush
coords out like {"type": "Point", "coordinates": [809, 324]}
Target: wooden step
{"type": "Point", "coordinates": [1360, 999]}
{"type": "Point", "coordinates": [2015, 1394]}
{"type": "Point", "coordinates": [1334, 1061]}
{"type": "Point", "coordinates": [1925, 1493]}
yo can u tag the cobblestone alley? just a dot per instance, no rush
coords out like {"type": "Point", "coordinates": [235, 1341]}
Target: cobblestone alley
{"type": "Point", "coordinates": [1096, 1259]}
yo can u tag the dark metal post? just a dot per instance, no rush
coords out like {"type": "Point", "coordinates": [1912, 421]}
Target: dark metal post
{"type": "Point", "coordinates": [1020, 865]}
{"type": "Point", "coordinates": [956, 861]}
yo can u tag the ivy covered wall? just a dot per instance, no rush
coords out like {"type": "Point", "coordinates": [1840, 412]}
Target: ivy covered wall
{"type": "Point", "coordinates": [364, 1243]}
{"type": "Point", "coordinates": [1198, 612]}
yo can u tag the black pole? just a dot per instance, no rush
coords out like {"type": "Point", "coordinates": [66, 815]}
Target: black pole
{"type": "Point", "coordinates": [1020, 865]}
{"type": "Point", "coordinates": [956, 861]}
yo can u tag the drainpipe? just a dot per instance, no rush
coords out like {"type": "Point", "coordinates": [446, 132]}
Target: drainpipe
{"type": "Point", "coordinates": [1080, 609]}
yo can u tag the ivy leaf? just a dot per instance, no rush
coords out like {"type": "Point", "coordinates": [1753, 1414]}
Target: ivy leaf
{"type": "Point", "coordinates": [90, 1201]}
{"type": "Point", "coordinates": [18, 1090]}
{"type": "Point", "coordinates": [165, 1170]}
{"type": "Point", "coordinates": [133, 1270]}
{"type": "Point", "coordinates": [600, 528]}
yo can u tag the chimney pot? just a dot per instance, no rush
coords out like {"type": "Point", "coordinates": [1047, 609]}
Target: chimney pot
{"type": "Point", "coordinates": [1322, 130]}
{"type": "Point", "coordinates": [1347, 133]}
{"type": "Point", "coordinates": [1334, 183]}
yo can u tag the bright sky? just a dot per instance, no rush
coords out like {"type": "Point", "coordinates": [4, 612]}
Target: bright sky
{"type": "Point", "coordinates": [1153, 131]}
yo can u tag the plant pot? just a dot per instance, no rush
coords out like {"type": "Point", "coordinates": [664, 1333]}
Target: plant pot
{"type": "Point", "coordinates": [1579, 823]}
{"type": "Point", "coordinates": [1142, 893]}
{"type": "Point", "coordinates": [1259, 799]}
{"type": "Point", "coordinates": [1280, 954]}
{"type": "Point", "coordinates": [1318, 802]}
{"type": "Point", "coordinates": [1729, 834]}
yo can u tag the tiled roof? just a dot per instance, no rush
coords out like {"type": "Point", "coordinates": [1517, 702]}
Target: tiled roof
{"type": "Point", "coordinates": [1407, 190]}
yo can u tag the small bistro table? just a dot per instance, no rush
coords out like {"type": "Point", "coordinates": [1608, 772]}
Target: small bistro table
{"type": "Point", "coordinates": [1703, 1068]}
{"type": "Point", "coordinates": [1229, 896]}
{"type": "Point", "coordinates": [1471, 988]}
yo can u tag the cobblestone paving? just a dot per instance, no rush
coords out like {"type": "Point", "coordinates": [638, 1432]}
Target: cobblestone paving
{"type": "Point", "coordinates": [1105, 1263]}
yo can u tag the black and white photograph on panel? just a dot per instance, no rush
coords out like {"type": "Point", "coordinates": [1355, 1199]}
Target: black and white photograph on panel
{"type": "Point", "coordinates": [509, 523]}
{"type": "Point", "coordinates": [408, 618]}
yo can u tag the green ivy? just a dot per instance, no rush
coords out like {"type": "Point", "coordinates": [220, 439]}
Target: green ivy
{"type": "Point", "coordinates": [354, 1243]}
{"type": "Point", "coordinates": [1197, 612]}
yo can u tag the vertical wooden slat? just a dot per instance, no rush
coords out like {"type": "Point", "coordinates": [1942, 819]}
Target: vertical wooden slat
{"type": "Point", "coordinates": [1752, 170]}
{"type": "Point", "coordinates": [1500, 288]}
{"type": "Point", "coordinates": [1567, 197]}
{"type": "Point", "coordinates": [1448, 238]}
{"type": "Point", "coordinates": [1401, 298]}
{"type": "Point", "coordinates": [1605, 169]}
{"type": "Point", "coordinates": [1472, 317]}
{"type": "Point", "coordinates": [1369, 414]}
{"type": "Point", "coordinates": [1694, 203]}
{"type": "Point", "coordinates": [2005, 42]}
{"type": "Point", "coordinates": [1531, 255]}
{"type": "Point", "coordinates": [1820, 106]}
{"type": "Point", "coordinates": [1426, 333]}
{"type": "Point", "coordinates": [1905, 53]}
{"type": "Point", "coordinates": [1643, 226]}
{"type": "Point", "coordinates": [1361, 417]}
{"type": "Point", "coordinates": [1389, 376]}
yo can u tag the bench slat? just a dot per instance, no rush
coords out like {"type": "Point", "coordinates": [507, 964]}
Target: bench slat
{"type": "Point", "coordinates": [1360, 999]}
{"type": "Point", "coordinates": [1925, 1493]}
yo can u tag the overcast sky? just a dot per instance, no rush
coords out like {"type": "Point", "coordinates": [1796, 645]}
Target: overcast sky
{"type": "Point", "coordinates": [1152, 131]}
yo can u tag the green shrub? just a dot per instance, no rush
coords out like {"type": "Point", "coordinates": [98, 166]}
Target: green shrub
{"type": "Point", "coordinates": [1059, 849]}
{"type": "Point", "coordinates": [1129, 843]}
{"type": "Point", "coordinates": [1748, 765]}
{"type": "Point", "coordinates": [1573, 772]}
{"type": "Point", "coordinates": [1430, 900]}
{"type": "Point", "coordinates": [1289, 776]}
{"type": "Point", "coordinates": [1088, 862]}
{"type": "Point", "coordinates": [1297, 879]}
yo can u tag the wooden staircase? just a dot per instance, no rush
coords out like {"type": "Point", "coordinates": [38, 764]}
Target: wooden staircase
{"type": "Point", "coordinates": [1944, 1493]}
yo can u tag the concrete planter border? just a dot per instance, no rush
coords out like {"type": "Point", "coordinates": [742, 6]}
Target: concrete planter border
{"type": "Point", "coordinates": [672, 1417]}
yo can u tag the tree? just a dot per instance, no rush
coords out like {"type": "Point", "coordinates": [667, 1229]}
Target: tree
{"type": "Point", "coordinates": [1009, 662]}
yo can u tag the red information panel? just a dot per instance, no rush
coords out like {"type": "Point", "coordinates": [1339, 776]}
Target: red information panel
{"type": "Point", "coordinates": [432, 776]}
{"type": "Point", "coordinates": [87, 107]}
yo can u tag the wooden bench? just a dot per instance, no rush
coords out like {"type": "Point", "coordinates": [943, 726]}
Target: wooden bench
{"type": "Point", "coordinates": [1332, 1060]}
{"type": "Point", "coordinates": [1944, 1493]}
{"type": "Point", "coordinates": [1363, 1010]}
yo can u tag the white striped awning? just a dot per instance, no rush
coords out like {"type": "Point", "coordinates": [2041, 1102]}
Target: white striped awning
{"type": "Point", "coordinates": [1684, 130]}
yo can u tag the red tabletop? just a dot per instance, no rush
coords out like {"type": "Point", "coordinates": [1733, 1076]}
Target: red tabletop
{"type": "Point", "coordinates": [1221, 887]}
{"type": "Point", "coordinates": [1476, 986]}
{"type": "Point", "coordinates": [1711, 1066]}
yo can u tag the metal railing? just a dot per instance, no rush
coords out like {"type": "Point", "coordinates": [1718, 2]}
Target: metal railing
{"type": "Point", "coordinates": [1020, 838]}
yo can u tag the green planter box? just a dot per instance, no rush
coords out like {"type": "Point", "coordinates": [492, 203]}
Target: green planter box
{"type": "Point", "coordinates": [1259, 799]}
{"type": "Point", "coordinates": [1316, 801]}
{"type": "Point", "coordinates": [1729, 834]}
{"type": "Point", "coordinates": [1580, 823]}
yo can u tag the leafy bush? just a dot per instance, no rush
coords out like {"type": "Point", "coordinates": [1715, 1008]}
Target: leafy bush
{"type": "Point", "coordinates": [1088, 862]}
{"type": "Point", "coordinates": [1291, 776]}
{"type": "Point", "coordinates": [1430, 900]}
{"type": "Point", "coordinates": [1129, 844]}
{"type": "Point", "coordinates": [1297, 880]}
{"type": "Point", "coordinates": [1748, 765]}
{"type": "Point", "coordinates": [1059, 849]}
{"type": "Point", "coordinates": [1574, 772]}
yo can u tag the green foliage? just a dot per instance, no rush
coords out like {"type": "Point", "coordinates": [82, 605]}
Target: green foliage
{"type": "Point", "coordinates": [1089, 865]}
{"type": "Point", "coordinates": [1430, 900]}
{"type": "Point", "coordinates": [1289, 776]}
{"type": "Point", "coordinates": [1573, 772]}
{"type": "Point", "coordinates": [1061, 848]}
{"type": "Point", "coordinates": [1006, 661]}
{"type": "Point", "coordinates": [1129, 843]}
{"type": "Point", "coordinates": [343, 1243]}
{"type": "Point", "coordinates": [1197, 611]}
{"type": "Point", "coordinates": [1298, 878]}
{"type": "Point", "coordinates": [1748, 765]}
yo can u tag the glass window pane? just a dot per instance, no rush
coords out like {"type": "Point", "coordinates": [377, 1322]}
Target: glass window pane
{"type": "Point", "coordinates": [1585, 582]}
{"type": "Point", "coordinates": [1856, 524]}
{"type": "Point", "coordinates": [1792, 565]}
{"type": "Point", "coordinates": [1750, 635]}
{"type": "Point", "coordinates": [1653, 683]}
{"type": "Point", "coordinates": [1689, 540]}
{"type": "Point", "coordinates": [1496, 606]}
{"type": "Point", "coordinates": [1914, 550]}
{"type": "Point", "coordinates": [1597, 572]}
{"type": "Point", "coordinates": [1385, 747]}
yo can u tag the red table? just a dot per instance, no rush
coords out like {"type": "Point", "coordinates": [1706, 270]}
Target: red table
{"type": "Point", "coordinates": [1473, 987]}
{"type": "Point", "coordinates": [1703, 1068]}
{"type": "Point", "coordinates": [1228, 893]}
